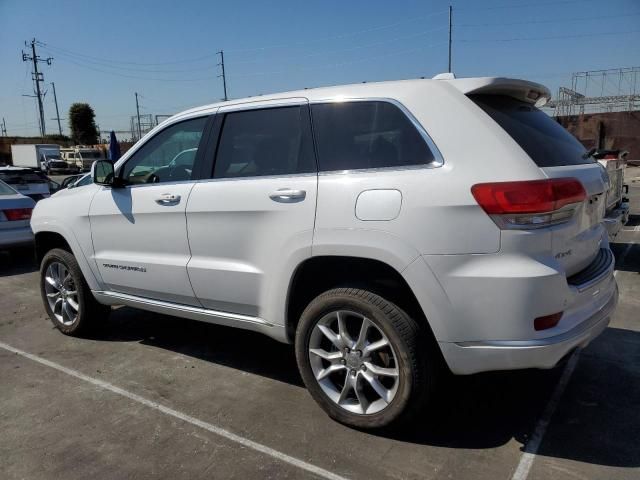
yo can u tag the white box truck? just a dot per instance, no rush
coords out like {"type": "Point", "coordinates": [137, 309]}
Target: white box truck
{"type": "Point", "coordinates": [35, 155]}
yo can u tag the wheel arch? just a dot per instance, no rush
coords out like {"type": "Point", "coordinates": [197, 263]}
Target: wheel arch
{"type": "Point", "coordinates": [317, 274]}
{"type": "Point", "coordinates": [48, 239]}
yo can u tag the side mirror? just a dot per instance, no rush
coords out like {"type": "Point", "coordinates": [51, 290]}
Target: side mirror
{"type": "Point", "coordinates": [102, 173]}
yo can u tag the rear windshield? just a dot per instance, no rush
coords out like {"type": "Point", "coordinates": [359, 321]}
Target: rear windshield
{"type": "Point", "coordinates": [6, 189]}
{"type": "Point", "coordinates": [543, 139]}
{"type": "Point", "coordinates": [22, 176]}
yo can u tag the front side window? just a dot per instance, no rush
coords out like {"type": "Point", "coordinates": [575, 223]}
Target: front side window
{"type": "Point", "coordinates": [367, 134]}
{"type": "Point", "coordinates": [168, 157]}
{"type": "Point", "coordinates": [273, 141]}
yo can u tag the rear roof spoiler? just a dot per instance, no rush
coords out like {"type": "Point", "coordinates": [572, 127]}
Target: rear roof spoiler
{"type": "Point", "coordinates": [523, 90]}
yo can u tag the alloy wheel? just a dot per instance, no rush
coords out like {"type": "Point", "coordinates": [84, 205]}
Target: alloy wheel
{"type": "Point", "coordinates": [61, 292]}
{"type": "Point", "coordinates": [353, 362]}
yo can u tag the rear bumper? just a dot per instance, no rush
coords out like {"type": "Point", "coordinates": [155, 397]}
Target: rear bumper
{"type": "Point", "coordinates": [14, 237]}
{"type": "Point", "coordinates": [615, 219]}
{"type": "Point", "coordinates": [472, 357]}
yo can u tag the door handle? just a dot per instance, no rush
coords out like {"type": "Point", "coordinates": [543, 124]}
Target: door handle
{"type": "Point", "coordinates": [288, 195]}
{"type": "Point", "coordinates": [168, 199]}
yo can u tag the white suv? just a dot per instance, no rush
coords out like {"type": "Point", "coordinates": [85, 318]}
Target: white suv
{"type": "Point", "coordinates": [384, 228]}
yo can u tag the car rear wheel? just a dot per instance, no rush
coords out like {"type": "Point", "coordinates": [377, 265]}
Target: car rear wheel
{"type": "Point", "coordinates": [363, 359]}
{"type": "Point", "coordinates": [67, 297]}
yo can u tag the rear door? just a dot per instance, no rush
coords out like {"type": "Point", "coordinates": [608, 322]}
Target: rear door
{"type": "Point", "coordinates": [558, 154]}
{"type": "Point", "coordinates": [254, 218]}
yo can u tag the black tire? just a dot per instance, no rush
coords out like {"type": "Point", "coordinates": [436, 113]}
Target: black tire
{"type": "Point", "coordinates": [417, 367]}
{"type": "Point", "coordinates": [90, 312]}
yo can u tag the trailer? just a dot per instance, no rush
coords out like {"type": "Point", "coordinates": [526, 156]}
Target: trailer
{"type": "Point", "coordinates": [34, 155]}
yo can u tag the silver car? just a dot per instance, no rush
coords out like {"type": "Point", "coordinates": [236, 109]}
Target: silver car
{"type": "Point", "coordinates": [15, 213]}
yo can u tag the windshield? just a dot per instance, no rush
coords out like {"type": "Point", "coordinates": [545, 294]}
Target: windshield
{"type": "Point", "coordinates": [52, 156]}
{"type": "Point", "coordinates": [6, 189]}
{"type": "Point", "coordinates": [89, 155]}
{"type": "Point", "coordinates": [547, 142]}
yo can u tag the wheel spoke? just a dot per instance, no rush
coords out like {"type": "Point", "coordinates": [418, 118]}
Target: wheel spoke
{"type": "Point", "coordinates": [377, 386]}
{"type": "Point", "coordinates": [377, 345]}
{"type": "Point", "coordinates": [330, 369]}
{"type": "Point", "coordinates": [342, 330]}
{"type": "Point", "coordinates": [58, 274]}
{"type": "Point", "coordinates": [362, 398]}
{"type": "Point", "coordinates": [57, 307]}
{"type": "Point", "coordinates": [72, 303]}
{"type": "Point", "coordinates": [346, 388]}
{"type": "Point", "coordinates": [331, 335]}
{"type": "Point", "coordinates": [381, 371]}
{"type": "Point", "coordinates": [362, 336]}
{"type": "Point", "coordinates": [53, 294]}
{"type": "Point", "coordinates": [51, 281]}
{"type": "Point", "coordinates": [330, 356]}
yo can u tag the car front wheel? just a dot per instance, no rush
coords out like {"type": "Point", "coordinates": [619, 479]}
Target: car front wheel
{"type": "Point", "coordinates": [363, 359]}
{"type": "Point", "coordinates": [67, 297]}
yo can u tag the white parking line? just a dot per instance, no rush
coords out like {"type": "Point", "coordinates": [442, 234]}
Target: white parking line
{"type": "Point", "coordinates": [532, 446]}
{"type": "Point", "coordinates": [245, 442]}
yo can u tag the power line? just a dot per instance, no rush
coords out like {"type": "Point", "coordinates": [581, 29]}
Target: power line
{"type": "Point", "coordinates": [554, 37]}
{"type": "Point", "coordinates": [100, 63]}
{"type": "Point", "coordinates": [348, 49]}
{"type": "Point", "coordinates": [189, 60]}
{"type": "Point", "coordinates": [341, 64]}
{"type": "Point", "coordinates": [339, 36]}
{"type": "Point", "coordinates": [557, 20]}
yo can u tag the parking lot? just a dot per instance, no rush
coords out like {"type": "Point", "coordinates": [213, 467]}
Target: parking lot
{"type": "Point", "coordinates": [151, 396]}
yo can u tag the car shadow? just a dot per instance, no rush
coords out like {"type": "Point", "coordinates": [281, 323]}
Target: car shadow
{"type": "Point", "coordinates": [627, 256]}
{"type": "Point", "coordinates": [17, 262]}
{"type": "Point", "coordinates": [479, 411]}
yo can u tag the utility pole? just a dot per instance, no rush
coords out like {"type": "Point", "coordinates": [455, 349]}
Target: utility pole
{"type": "Point", "coordinates": [138, 112]}
{"type": "Point", "coordinates": [4, 127]}
{"type": "Point", "coordinates": [55, 99]}
{"type": "Point", "coordinates": [450, 23]}
{"type": "Point", "coordinates": [224, 77]}
{"type": "Point", "coordinates": [37, 77]}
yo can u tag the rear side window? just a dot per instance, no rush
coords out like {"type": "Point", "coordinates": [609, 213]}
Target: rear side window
{"type": "Point", "coordinates": [543, 139]}
{"type": "Point", "coordinates": [273, 141]}
{"type": "Point", "coordinates": [375, 134]}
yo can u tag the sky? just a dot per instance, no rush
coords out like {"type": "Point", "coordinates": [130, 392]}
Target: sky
{"type": "Point", "coordinates": [105, 51]}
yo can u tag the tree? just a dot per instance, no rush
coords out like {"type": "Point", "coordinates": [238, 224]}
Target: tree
{"type": "Point", "coordinates": [82, 124]}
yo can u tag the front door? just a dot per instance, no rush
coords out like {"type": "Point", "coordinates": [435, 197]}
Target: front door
{"type": "Point", "coordinates": [139, 230]}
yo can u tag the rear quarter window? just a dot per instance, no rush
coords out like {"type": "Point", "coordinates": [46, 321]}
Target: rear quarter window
{"type": "Point", "coordinates": [547, 142]}
{"type": "Point", "coordinates": [366, 134]}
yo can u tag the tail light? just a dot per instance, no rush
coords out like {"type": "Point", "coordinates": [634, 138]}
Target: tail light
{"type": "Point", "coordinates": [15, 214]}
{"type": "Point", "coordinates": [531, 203]}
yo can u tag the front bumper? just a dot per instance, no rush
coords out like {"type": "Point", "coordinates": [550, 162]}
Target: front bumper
{"type": "Point", "coordinates": [615, 219]}
{"type": "Point", "coordinates": [471, 357]}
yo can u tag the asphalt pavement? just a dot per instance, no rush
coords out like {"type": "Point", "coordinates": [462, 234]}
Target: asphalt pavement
{"type": "Point", "coordinates": [152, 396]}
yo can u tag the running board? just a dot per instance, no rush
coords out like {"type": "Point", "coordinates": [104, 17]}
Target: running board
{"type": "Point", "coordinates": [228, 319]}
